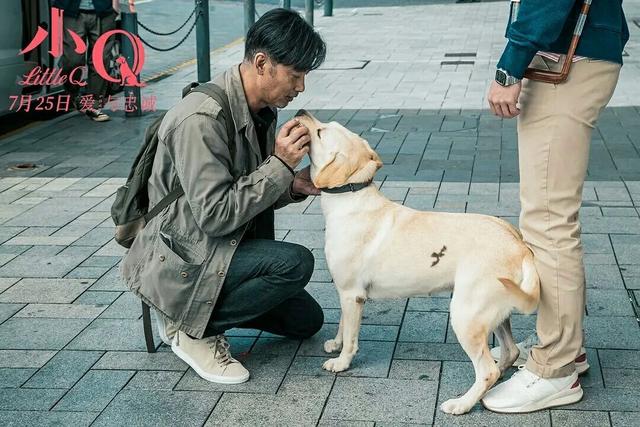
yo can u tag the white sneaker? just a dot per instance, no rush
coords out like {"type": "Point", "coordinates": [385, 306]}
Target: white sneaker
{"type": "Point", "coordinates": [527, 392]}
{"type": "Point", "coordinates": [166, 329]}
{"type": "Point", "coordinates": [210, 358]}
{"type": "Point", "coordinates": [525, 346]}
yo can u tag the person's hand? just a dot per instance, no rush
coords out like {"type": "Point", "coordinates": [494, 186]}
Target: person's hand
{"type": "Point", "coordinates": [503, 100]}
{"type": "Point", "coordinates": [302, 183]}
{"type": "Point", "coordinates": [292, 143]}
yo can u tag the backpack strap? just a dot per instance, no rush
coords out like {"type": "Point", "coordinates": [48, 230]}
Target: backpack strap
{"type": "Point", "coordinates": [219, 95]}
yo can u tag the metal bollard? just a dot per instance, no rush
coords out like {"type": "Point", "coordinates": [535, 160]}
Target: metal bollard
{"type": "Point", "coordinates": [202, 41]}
{"type": "Point", "coordinates": [308, 12]}
{"type": "Point", "coordinates": [249, 14]}
{"type": "Point", "coordinates": [130, 24]}
{"type": "Point", "coordinates": [328, 7]}
{"type": "Point", "coordinates": [286, 4]}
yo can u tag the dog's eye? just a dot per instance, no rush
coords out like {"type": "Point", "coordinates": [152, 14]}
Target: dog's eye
{"type": "Point", "coordinates": [319, 133]}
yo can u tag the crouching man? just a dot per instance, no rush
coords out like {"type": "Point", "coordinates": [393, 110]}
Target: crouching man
{"type": "Point", "coordinates": [209, 261]}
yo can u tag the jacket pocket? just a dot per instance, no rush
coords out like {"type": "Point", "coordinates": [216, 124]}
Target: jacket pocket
{"type": "Point", "coordinates": [169, 278]}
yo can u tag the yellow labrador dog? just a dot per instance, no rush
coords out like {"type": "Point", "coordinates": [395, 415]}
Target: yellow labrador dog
{"type": "Point", "coordinates": [376, 248]}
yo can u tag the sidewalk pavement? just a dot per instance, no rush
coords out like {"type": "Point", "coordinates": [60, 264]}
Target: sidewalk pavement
{"type": "Point", "coordinates": [412, 81]}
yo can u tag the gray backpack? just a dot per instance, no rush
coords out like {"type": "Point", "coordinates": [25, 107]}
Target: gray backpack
{"type": "Point", "coordinates": [130, 210]}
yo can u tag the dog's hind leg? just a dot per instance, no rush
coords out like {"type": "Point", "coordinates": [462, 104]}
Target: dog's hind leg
{"type": "Point", "coordinates": [472, 328]}
{"type": "Point", "coordinates": [352, 304]}
{"type": "Point", "coordinates": [331, 346]}
{"type": "Point", "coordinates": [509, 352]}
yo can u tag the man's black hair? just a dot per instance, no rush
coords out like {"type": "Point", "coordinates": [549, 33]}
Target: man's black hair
{"type": "Point", "coordinates": [285, 37]}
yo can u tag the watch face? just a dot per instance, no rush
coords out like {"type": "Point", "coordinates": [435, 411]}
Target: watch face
{"type": "Point", "coordinates": [501, 77]}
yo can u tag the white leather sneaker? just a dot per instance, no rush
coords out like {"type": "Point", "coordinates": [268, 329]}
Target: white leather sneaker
{"type": "Point", "coordinates": [526, 392]}
{"type": "Point", "coordinates": [210, 358]}
{"type": "Point", "coordinates": [525, 346]}
{"type": "Point", "coordinates": [166, 329]}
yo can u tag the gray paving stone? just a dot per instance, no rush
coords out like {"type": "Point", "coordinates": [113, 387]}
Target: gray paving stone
{"type": "Point", "coordinates": [608, 302]}
{"type": "Point", "coordinates": [429, 351]}
{"type": "Point", "coordinates": [415, 370]}
{"type": "Point", "coordinates": [248, 409]}
{"type": "Point", "coordinates": [345, 423]}
{"type": "Point", "coordinates": [111, 334]}
{"type": "Point", "coordinates": [267, 372]}
{"type": "Point", "coordinates": [324, 293]}
{"type": "Point", "coordinates": [279, 346]}
{"type": "Point", "coordinates": [621, 378]}
{"type": "Point", "coordinates": [94, 391]}
{"type": "Point", "coordinates": [8, 310]}
{"type": "Point", "coordinates": [7, 282]}
{"type": "Point", "coordinates": [383, 312]}
{"type": "Point", "coordinates": [64, 369]}
{"type": "Point", "coordinates": [97, 298]}
{"type": "Point", "coordinates": [603, 276]}
{"type": "Point", "coordinates": [46, 418]}
{"type": "Point", "coordinates": [155, 380]}
{"type": "Point", "coordinates": [627, 247]}
{"type": "Point", "coordinates": [15, 377]}
{"type": "Point", "coordinates": [61, 311]}
{"type": "Point", "coordinates": [24, 358]}
{"type": "Point", "coordinates": [158, 408]}
{"type": "Point", "coordinates": [382, 400]}
{"type": "Point", "coordinates": [87, 272]}
{"type": "Point", "coordinates": [127, 306]}
{"type": "Point", "coordinates": [631, 275]}
{"type": "Point", "coordinates": [45, 290]}
{"type": "Point", "coordinates": [141, 361]}
{"type": "Point", "coordinates": [35, 334]}
{"type": "Point", "coordinates": [570, 418]}
{"type": "Point", "coordinates": [429, 304]}
{"type": "Point", "coordinates": [612, 332]}
{"type": "Point", "coordinates": [608, 399]}
{"type": "Point", "coordinates": [24, 399]}
{"type": "Point", "coordinates": [111, 281]}
{"type": "Point", "coordinates": [625, 419]}
{"type": "Point", "coordinates": [619, 359]}
{"type": "Point", "coordinates": [593, 377]}
{"type": "Point", "coordinates": [419, 326]}
{"type": "Point", "coordinates": [56, 213]}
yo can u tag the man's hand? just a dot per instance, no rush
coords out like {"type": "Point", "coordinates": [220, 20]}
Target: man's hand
{"type": "Point", "coordinates": [503, 99]}
{"type": "Point", "coordinates": [292, 143]}
{"type": "Point", "coordinates": [302, 183]}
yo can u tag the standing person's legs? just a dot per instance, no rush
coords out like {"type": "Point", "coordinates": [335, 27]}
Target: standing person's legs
{"type": "Point", "coordinates": [97, 86]}
{"type": "Point", "coordinates": [554, 134]}
{"type": "Point", "coordinates": [71, 59]}
{"type": "Point", "coordinates": [264, 289]}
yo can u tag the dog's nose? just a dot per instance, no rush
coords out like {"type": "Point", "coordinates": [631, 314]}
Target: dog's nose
{"type": "Point", "coordinates": [302, 113]}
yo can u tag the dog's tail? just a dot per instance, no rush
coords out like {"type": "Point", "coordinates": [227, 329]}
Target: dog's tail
{"type": "Point", "coordinates": [527, 295]}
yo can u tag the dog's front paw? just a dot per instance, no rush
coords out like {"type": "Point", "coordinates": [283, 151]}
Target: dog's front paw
{"type": "Point", "coordinates": [336, 365]}
{"type": "Point", "coordinates": [331, 346]}
{"type": "Point", "coordinates": [455, 406]}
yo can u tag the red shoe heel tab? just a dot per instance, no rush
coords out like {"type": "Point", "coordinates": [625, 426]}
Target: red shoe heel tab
{"type": "Point", "coordinates": [576, 384]}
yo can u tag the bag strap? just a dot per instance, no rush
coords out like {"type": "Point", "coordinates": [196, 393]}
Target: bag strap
{"type": "Point", "coordinates": [217, 93]}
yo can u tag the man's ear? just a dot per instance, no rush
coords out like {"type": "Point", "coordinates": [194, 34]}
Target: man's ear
{"type": "Point", "coordinates": [333, 174]}
{"type": "Point", "coordinates": [260, 62]}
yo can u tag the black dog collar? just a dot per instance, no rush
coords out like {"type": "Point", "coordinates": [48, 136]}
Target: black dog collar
{"type": "Point", "coordinates": [346, 188]}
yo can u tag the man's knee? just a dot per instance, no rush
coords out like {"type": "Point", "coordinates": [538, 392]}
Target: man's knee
{"type": "Point", "coordinates": [311, 324]}
{"type": "Point", "coordinates": [300, 263]}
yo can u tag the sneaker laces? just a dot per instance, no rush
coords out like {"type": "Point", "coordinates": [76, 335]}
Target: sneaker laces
{"type": "Point", "coordinates": [220, 347]}
{"type": "Point", "coordinates": [526, 377]}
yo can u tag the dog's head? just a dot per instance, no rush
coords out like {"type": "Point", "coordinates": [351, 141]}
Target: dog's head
{"type": "Point", "coordinates": [338, 156]}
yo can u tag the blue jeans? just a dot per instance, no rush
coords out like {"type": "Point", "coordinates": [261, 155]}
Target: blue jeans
{"type": "Point", "coordinates": [264, 289]}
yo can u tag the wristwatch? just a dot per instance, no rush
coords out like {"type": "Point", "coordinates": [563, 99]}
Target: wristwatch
{"type": "Point", "coordinates": [504, 79]}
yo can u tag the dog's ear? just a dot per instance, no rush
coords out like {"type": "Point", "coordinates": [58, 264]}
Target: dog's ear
{"type": "Point", "coordinates": [376, 159]}
{"type": "Point", "coordinates": [333, 174]}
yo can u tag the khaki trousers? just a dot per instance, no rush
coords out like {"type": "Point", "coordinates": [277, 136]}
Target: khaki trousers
{"type": "Point", "coordinates": [554, 134]}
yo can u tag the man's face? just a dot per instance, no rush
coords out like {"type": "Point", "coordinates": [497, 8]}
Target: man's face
{"type": "Point", "coordinates": [280, 84]}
